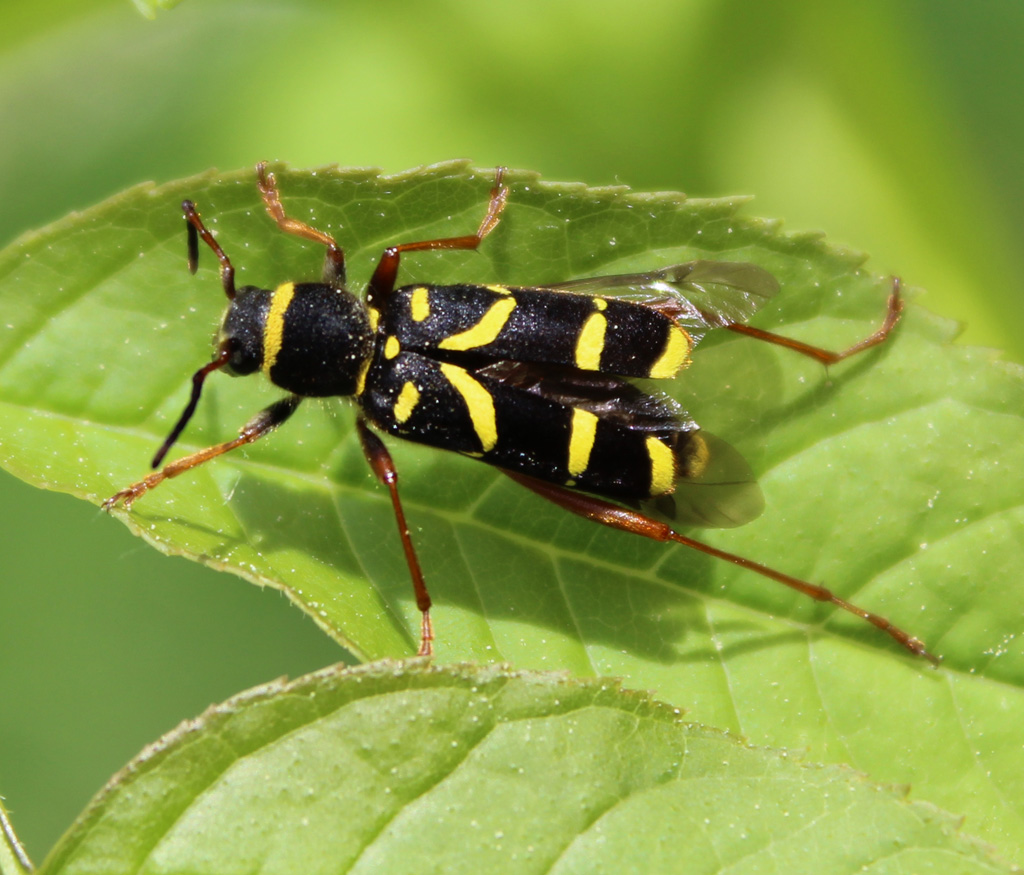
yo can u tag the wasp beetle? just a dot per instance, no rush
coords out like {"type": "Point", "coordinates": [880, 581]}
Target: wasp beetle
{"type": "Point", "coordinates": [537, 381]}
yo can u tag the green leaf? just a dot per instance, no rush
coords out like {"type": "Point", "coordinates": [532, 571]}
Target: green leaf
{"type": "Point", "coordinates": [150, 8]}
{"type": "Point", "coordinates": [403, 768]}
{"type": "Point", "coordinates": [13, 859]}
{"type": "Point", "coordinates": [892, 478]}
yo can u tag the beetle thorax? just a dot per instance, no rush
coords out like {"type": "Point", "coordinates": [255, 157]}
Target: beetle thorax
{"type": "Point", "coordinates": [308, 338]}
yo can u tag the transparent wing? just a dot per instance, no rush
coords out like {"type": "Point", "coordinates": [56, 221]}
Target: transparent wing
{"type": "Point", "coordinates": [699, 295]}
{"type": "Point", "coordinates": [724, 496]}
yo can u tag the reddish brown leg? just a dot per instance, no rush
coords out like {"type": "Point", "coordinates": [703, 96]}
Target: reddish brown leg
{"type": "Point", "coordinates": [197, 229]}
{"type": "Point", "coordinates": [826, 357]}
{"type": "Point", "coordinates": [262, 423]}
{"type": "Point", "coordinates": [334, 264]}
{"type": "Point", "coordinates": [626, 520]}
{"type": "Point", "coordinates": [384, 470]}
{"type": "Point", "coordinates": [382, 283]}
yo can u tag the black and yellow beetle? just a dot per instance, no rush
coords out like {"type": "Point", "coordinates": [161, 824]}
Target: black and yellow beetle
{"type": "Point", "coordinates": [535, 381]}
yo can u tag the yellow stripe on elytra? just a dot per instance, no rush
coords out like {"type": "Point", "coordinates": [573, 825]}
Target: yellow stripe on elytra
{"type": "Point", "coordinates": [675, 354]}
{"type": "Point", "coordinates": [478, 401]}
{"type": "Point", "coordinates": [581, 440]}
{"type": "Point", "coordinates": [408, 398]}
{"type": "Point", "coordinates": [590, 343]}
{"type": "Point", "coordinates": [663, 467]}
{"type": "Point", "coordinates": [485, 331]}
{"type": "Point", "coordinates": [501, 290]}
{"type": "Point", "coordinates": [273, 328]}
{"type": "Point", "coordinates": [364, 369]}
{"type": "Point", "coordinates": [374, 317]}
{"type": "Point", "coordinates": [419, 304]}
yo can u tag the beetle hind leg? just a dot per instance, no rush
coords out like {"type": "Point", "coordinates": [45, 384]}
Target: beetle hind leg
{"type": "Point", "coordinates": [827, 357]}
{"type": "Point", "coordinates": [626, 520]}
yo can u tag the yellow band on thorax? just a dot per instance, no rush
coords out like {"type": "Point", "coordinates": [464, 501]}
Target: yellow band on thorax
{"type": "Point", "coordinates": [273, 330]}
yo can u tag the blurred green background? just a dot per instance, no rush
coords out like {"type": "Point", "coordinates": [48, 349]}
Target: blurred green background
{"type": "Point", "coordinates": [895, 125]}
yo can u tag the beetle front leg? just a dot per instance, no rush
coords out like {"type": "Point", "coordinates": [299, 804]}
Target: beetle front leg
{"type": "Point", "coordinates": [261, 424]}
{"type": "Point", "coordinates": [334, 263]}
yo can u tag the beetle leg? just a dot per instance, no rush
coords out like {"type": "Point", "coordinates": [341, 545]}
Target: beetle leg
{"type": "Point", "coordinates": [382, 283]}
{"type": "Point", "coordinates": [625, 520]}
{"type": "Point", "coordinates": [826, 357]}
{"type": "Point", "coordinates": [261, 424]}
{"type": "Point", "coordinates": [334, 262]}
{"type": "Point", "coordinates": [384, 470]}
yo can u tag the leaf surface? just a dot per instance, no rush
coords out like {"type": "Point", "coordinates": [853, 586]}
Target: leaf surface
{"type": "Point", "coordinates": [397, 768]}
{"type": "Point", "coordinates": [892, 477]}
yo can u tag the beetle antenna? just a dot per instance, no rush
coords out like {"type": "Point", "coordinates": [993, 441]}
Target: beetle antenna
{"type": "Point", "coordinates": [196, 229]}
{"type": "Point", "coordinates": [193, 236]}
{"type": "Point", "coordinates": [197, 387]}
